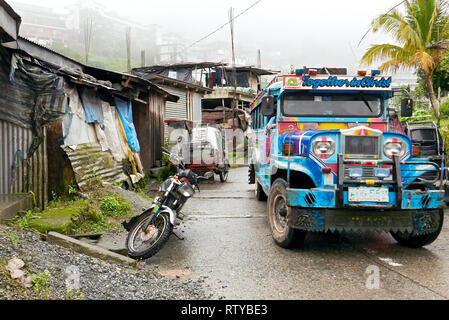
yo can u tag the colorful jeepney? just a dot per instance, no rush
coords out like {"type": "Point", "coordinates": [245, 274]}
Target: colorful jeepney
{"type": "Point", "coordinates": [329, 154]}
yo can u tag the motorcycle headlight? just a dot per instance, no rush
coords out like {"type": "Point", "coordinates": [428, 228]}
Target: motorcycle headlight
{"type": "Point", "coordinates": [323, 147]}
{"type": "Point", "coordinates": [395, 147]}
{"type": "Point", "coordinates": [186, 190]}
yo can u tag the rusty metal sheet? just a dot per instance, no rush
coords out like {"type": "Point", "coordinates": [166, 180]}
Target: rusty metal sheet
{"type": "Point", "coordinates": [92, 166]}
{"type": "Point", "coordinates": [19, 174]}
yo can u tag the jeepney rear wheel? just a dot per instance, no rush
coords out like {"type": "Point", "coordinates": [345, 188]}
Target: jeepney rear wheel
{"type": "Point", "coordinates": [417, 241]}
{"type": "Point", "coordinates": [284, 235]}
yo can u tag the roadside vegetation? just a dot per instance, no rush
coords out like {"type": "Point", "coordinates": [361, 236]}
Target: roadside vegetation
{"type": "Point", "coordinates": [421, 33]}
{"type": "Point", "coordinates": [72, 214]}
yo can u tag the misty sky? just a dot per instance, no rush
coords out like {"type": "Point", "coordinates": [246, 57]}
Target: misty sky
{"type": "Point", "coordinates": [317, 32]}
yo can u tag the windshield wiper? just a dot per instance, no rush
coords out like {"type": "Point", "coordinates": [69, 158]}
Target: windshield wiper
{"type": "Point", "coordinates": [367, 104]}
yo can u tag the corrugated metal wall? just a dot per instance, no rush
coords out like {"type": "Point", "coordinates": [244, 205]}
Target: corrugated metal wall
{"type": "Point", "coordinates": [175, 110]}
{"type": "Point", "coordinates": [16, 174]}
{"type": "Point", "coordinates": [157, 106]}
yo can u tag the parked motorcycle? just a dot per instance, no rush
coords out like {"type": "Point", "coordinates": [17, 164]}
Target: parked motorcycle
{"type": "Point", "coordinates": [150, 231]}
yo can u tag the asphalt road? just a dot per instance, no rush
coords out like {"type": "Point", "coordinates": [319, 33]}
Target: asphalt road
{"type": "Point", "coordinates": [228, 244]}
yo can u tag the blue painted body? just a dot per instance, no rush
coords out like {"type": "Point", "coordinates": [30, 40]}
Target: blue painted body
{"type": "Point", "coordinates": [304, 161]}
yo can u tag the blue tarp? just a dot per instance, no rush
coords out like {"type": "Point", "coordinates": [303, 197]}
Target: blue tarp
{"type": "Point", "coordinates": [92, 106]}
{"type": "Point", "coordinates": [125, 112]}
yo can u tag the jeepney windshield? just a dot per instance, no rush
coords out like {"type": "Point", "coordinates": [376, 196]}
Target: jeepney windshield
{"type": "Point", "coordinates": [358, 105]}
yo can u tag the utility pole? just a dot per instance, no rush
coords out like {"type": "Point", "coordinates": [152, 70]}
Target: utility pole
{"type": "Point", "coordinates": [234, 102]}
{"type": "Point", "coordinates": [128, 48]}
{"type": "Point", "coordinates": [88, 24]}
{"type": "Point", "coordinates": [142, 58]}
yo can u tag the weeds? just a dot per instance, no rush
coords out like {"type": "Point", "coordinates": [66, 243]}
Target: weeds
{"type": "Point", "coordinates": [13, 236]}
{"type": "Point", "coordinates": [24, 222]}
{"type": "Point", "coordinates": [71, 294]}
{"type": "Point", "coordinates": [114, 206]}
{"type": "Point", "coordinates": [164, 174]}
{"type": "Point", "coordinates": [41, 282]}
{"type": "Point", "coordinates": [73, 191]}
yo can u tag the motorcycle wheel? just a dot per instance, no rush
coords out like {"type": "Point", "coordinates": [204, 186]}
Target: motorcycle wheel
{"type": "Point", "coordinates": [224, 176]}
{"type": "Point", "coordinates": [141, 245]}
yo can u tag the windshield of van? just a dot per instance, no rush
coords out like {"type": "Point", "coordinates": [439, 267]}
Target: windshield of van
{"type": "Point", "coordinates": [358, 105]}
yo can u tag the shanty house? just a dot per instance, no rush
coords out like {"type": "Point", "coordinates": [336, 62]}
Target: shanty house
{"type": "Point", "coordinates": [63, 122]}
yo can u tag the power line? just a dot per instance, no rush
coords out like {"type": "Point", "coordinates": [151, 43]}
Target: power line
{"type": "Point", "coordinates": [223, 26]}
{"type": "Point", "coordinates": [364, 36]}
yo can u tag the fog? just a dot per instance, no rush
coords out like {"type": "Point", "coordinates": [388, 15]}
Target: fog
{"type": "Point", "coordinates": [312, 33]}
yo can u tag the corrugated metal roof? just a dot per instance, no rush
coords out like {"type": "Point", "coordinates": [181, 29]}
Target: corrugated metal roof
{"type": "Point", "coordinates": [194, 65]}
{"type": "Point", "coordinates": [96, 76]}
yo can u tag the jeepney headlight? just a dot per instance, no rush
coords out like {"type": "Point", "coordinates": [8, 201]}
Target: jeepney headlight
{"type": "Point", "coordinates": [323, 147]}
{"type": "Point", "coordinates": [394, 147]}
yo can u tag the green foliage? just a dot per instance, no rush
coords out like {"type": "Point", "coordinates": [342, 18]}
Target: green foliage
{"type": "Point", "coordinates": [422, 24]}
{"type": "Point", "coordinates": [71, 294]}
{"type": "Point", "coordinates": [444, 109]}
{"type": "Point", "coordinates": [142, 185]}
{"type": "Point", "coordinates": [165, 173]}
{"type": "Point", "coordinates": [114, 206]}
{"type": "Point", "coordinates": [73, 190]}
{"type": "Point", "coordinates": [41, 282]}
{"type": "Point", "coordinates": [24, 222]}
{"type": "Point", "coordinates": [13, 237]}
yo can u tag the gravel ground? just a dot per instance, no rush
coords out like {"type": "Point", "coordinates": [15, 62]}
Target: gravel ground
{"type": "Point", "coordinates": [98, 280]}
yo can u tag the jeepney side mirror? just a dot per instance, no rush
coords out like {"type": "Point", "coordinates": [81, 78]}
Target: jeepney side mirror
{"type": "Point", "coordinates": [268, 106]}
{"type": "Point", "coordinates": [406, 108]}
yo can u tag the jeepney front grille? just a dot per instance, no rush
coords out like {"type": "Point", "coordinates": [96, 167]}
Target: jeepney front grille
{"type": "Point", "coordinates": [358, 145]}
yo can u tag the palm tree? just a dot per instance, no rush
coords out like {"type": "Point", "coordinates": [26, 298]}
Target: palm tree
{"type": "Point", "coordinates": [424, 23]}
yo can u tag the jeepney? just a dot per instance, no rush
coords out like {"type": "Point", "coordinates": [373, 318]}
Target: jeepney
{"type": "Point", "coordinates": [327, 156]}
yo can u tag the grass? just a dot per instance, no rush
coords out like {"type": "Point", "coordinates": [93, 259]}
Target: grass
{"type": "Point", "coordinates": [102, 211]}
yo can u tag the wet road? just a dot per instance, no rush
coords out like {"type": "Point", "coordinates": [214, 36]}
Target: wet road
{"type": "Point", "coordinates": [228, 244]}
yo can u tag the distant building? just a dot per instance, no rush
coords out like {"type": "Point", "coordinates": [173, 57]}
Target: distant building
{"type": "Point", "coordinates": [238, 85]}
{"type": "Point", "coordinates": [184, 80]}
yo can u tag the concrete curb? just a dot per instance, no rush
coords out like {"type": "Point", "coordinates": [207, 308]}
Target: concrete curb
{"type": "Point", "coordinates": [88, 249]}
{"type": "Point", "coordinates": [10, 205]}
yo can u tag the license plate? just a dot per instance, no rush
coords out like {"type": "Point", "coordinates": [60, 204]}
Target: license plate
{"type": "Point", "coordinates": [368, 195]}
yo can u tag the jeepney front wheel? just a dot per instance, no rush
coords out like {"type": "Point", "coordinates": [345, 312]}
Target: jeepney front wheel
{"type": "Point", "coordinates": [284, 236]}
{"type": "Point", "coordinates": [417, 241]}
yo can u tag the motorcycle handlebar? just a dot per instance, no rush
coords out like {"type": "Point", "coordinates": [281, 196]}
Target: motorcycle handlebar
{"type": "Point", "coordinates": [166, 151]}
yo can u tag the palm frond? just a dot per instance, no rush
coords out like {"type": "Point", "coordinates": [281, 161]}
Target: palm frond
{"type": "Point", "coordinates": [382, 52]}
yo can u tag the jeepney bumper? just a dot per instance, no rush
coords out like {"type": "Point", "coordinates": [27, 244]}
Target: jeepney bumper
{"type": "Point", "coordinates": [324, 220]}
{"type": "Point", "coordinates": [327, 199]}
{"type": "Point", "coordinates": [318, 210]}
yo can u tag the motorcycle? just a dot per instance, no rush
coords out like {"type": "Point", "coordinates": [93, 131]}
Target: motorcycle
{"type": "Point", "coordinates": [150, 231]}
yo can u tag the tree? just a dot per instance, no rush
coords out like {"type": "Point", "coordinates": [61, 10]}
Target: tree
{"type": "Point", "coordinates": [424, 23]}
